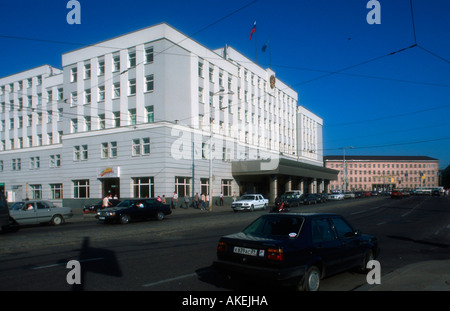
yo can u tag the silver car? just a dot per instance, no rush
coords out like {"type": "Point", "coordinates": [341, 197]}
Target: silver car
{"type": "Point", "coordinates": [36, 212]}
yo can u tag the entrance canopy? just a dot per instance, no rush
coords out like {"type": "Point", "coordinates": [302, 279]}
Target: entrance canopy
{"type": "Point", "coordinates": [282, 166]}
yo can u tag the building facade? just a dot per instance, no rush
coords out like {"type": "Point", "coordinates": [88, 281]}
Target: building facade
{"type": "Point", "coordinates": [380, 173]}
{"type": "Point", "coordinates": [151, 113]}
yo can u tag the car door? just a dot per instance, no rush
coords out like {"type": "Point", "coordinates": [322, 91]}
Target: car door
{"type": "Point", "coordinates": [44, 212]}
{"type": "Point", "coordinates": [325, 244]}
{"type": "Point", "coordinates": [25, 215]}
{"type": "Point", "coordinates": [350, 243]}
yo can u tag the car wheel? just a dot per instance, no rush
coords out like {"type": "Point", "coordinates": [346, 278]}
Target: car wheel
{"type": "Point", "coordinates": [124, 219]}
{"type": "Point", "coordinates": [252, 208]}
{"type": "Point", "coordinates": [57, 220]}
{"type": "Point", "coordinates": [311, 280]}
{"type": "Point", "coordinates": [367, 258]}
{"type": "Point", "coordinates": [160, 216]}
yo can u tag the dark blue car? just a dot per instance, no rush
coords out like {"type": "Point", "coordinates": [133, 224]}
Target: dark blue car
{"type": "Point", "coordinates": [295, 249]}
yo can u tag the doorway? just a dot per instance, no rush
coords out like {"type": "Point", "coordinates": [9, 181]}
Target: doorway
{"type": "Point", "coordinates": [111, 186]}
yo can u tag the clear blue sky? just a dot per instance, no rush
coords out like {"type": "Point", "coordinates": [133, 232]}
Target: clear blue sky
{"type": "Point", "coordinates": [342, 67]}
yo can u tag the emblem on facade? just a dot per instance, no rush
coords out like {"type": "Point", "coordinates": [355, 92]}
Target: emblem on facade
{"type": "Point", "coordinates": [272, 81]}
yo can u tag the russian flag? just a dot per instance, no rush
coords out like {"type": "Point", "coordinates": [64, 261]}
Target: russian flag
{"type": "Point", "coordinates": [253, 30]}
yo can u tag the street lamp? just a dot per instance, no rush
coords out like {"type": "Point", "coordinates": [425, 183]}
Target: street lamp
{"type": "Point", "coordinates": [211, 120]}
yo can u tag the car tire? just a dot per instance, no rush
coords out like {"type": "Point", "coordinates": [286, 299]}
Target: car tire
{"type": "Point", "coordinates": [363, 268]}
{"type": "Point", "coordinates": [160, 216]}
{"type": "Point", "coordinates": [311, 280]}
{"type": "Point", "coordinates": [57, 220]}
{"type": "Point", "coordinates": [252, 208]}
{"type": "Point", "coordinates": [124, 219]}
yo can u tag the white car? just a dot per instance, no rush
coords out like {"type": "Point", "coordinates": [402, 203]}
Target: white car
{"type": "Point", "coordinates": [336, 196]}
{"type": "Point", "coordinates": [250, 202]}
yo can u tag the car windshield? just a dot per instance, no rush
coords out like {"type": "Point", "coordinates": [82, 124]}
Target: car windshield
{"type": "Point", "coordinates": [275, 225]}
{"type": "Point", "coordinates": [247, 197]}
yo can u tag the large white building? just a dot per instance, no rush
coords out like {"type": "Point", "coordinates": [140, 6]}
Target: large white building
{"type": "Point", "coordinates": [136, 115]}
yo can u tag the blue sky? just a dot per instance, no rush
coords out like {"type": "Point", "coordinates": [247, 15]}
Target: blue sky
{"type": "Point", "coordinates": [344, 70]}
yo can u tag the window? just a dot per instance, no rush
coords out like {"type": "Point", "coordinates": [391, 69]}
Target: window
{"type": "Point", "coordinates": [73, 99]}
{"type": "Point", "coordinates": [140, 146]}
{"type": "Point", "coordinates": [182, 186]}
{"type": "Point", "coordinates": [150, 114]}
{"type": "Point", "coordinates": [34, 163]}
{"type": "Point", "coordinates": [56, 191]}
{"type": "Point", "coordinates": [101, 93]}
{"type": "Point", "coordinates": [132, 116]}
{"type": "Point", "coordinates": [200, 69]}
{"type": "Point", "coordinates": [80, 152]}
{"type": "Point", "coordinates": [204, 185]}
{"type": "Point", "coordinates": [87, 71]}
{"type": "Point", "coordinates": [55, 160]}
{"type": "Point", "coordinates": [87, 97]}
{"type": "Point", "coordinates": [73, 74]}
{"type": "Point", "coordinates": [74, 126]}
{"type": "Point", "coordinates": [149, 54]}
{"type": "Point", "coordinates": [149, 83]}
{"type": "Point", "coordinates": [132, 87]}
{"type": "Point", "coordinates": [116, 90]}
{"type": "Point", "coordinates": [143, 187]}
{"type": "Point", "coordinates": [80, 189]}
{"type": "Point", "coordinates": [87, 123]}
{"type": "Point", "coordinates": [226, 187]}
{"type": "Point", "coordinates": [36, 192]}
{"type": "Point", "coordinates": [322, 231]}
{"type": "Point", "coordinates": [131, 58]}
{"type": "Point", "coordinates": [116, 118]}
{"type": "Point", "coordinates": [101, 118]}
{"type": "Point", "coordinates": [101, 67]}
{"type": "Point", "coordinates": [116, 63]}
{"type": "Point", "coordinates": [16, 164]}
{"type": "Point", "coordinates": [342, 228]}
{"type": "Point", "coordinates": [109, 150]}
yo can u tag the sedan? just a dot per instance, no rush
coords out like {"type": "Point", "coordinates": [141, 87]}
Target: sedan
{"type": "Point", "coordinates": [135, 209]}
{"type": "Point", "coordinates": [92, 208]}
{"type": "Point", "coordinates": [309, 198]}
{"type": "Point", "coordinates": [336, 196]}
{"type": "Point", "coordinates": [36, 212]}
{"type": "Point", "coordinates": [296, 249]}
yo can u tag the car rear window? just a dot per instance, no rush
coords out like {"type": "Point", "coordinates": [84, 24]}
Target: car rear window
{"type": "Point", "coordinates": [276, 225]}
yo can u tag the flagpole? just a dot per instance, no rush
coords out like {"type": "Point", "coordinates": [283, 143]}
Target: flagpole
{"type": "Point", "coordinates": [256, 47]}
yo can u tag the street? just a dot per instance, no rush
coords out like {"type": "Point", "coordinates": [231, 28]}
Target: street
{"type": "Point", "coordinates": [176, 254]}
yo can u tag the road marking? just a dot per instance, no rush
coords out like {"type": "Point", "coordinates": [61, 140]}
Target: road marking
{"type": "Point", "coordinates": [171, 279]}
{"type": "Point", "coordinates": [381, 223]}
{"type": "Point", "coordinates": [65, 263]}
{"type": "Point", "coordinates": [355, 213]}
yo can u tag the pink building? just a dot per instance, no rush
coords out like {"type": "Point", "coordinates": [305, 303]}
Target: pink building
{"type": "Point", "coordinates": [383, 172]}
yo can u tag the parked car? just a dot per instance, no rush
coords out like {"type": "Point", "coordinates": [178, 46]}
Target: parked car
{"type": "Point", "coordinates": [135, 209]}
{"type": "Point", "coordinates": [309, 198]}
{"type": "Point", "coordinates": [366, 194]}
{"type": "Point", "coordinates": [374, 193]}
{"type": "Point", "coordinates": [39, 211]}
{"type": "Point", "coordinates": [92, 208]}
{"type": "Point", "coordinates": [295, 249]}
{"type": "Point", "coordinates": [336, 196]}
{"type": "Point", "coordinates": [396, 194]}
{"type": "Point", "coordinates": [6, 222]}
{"type": "Point", "coordinates": [290, 200]}
{"type": "Point", "coordinates": [323, 197]}
{"type": "Point", "coordinates": [349, 195]}
{"type": "Point", "coordinates": [250, 202]}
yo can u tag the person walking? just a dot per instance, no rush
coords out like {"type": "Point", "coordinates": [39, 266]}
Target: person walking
{"type": "Point", "coordinates": [202, 202]}
{"type": "Point", "coordinates": [174, 200]}
{"type": "Point", "coordinates": [196, 200]}
{"type": "Point", "coordinates": [221, 199]}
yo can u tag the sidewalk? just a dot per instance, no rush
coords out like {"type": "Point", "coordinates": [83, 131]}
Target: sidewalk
{"type": "Point", "coordinates": [423, 276]}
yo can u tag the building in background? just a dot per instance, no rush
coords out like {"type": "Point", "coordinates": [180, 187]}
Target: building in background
{"type": "Point", "coordinates": [380, 173]}
{"type": "Point", "coordinates": [153, 112]}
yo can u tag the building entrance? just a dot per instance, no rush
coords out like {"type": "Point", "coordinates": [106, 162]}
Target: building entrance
{"type": "Point", "coordinates": [111, 186]}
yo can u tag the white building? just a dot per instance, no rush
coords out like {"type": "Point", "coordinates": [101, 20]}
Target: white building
{"type": "Point", "coordinates": [135, 116]}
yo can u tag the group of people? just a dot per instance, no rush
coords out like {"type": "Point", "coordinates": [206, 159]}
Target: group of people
{"type": "Point", "coordinates": [201, 202]}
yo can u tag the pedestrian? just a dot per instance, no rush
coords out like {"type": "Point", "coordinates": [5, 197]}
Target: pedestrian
{"type": "Point", "coordinates": [186, 201]}
{"type": "Point", "coordinates": [163, 200]}
{"type": "Point", "coordinates": [159, 199]}
{"type": "Point", "coordinates": [174, 200]}
{"type": "Point", "coordinates": [207, 201]}
{"type": "Point", "coordinates": [196, 200]}
{"type": "Point", "coordinates": [202, 201]}
{"type": "Point", "coordinates": [234, 196]}
{"type": "Point", "coordinates": [221, 199]}
{"type": "Point", "coordinates": [105, 202]}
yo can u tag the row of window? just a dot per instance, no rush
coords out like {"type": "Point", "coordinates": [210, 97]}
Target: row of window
{"type": "Point", "coordinates": [398, 173]}
{"type": "Point", "coordinates": [20, 85]}
{"type": "Point", "coordinates": [131, 63]}
{"type": "Point", "coordinates": [34, 163]}
{"type": "Point", "coordinates": [149, 86]}
{"type": "Point", "coordinates": [139, 147]}
{"type": "Point", "coordinates": [141, 187]}
{"type": "Point", "coordinates": [384, 165]}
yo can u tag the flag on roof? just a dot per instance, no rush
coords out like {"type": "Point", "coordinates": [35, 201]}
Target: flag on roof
{"type": "Point", "coordinates": [253, 30]}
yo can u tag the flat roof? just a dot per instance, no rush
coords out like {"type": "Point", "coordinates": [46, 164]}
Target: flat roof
{"type": "Point", "coordinates": [377, 158]}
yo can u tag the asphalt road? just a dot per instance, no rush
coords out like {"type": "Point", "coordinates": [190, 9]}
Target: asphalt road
{"type": "Point", "coordinates": [176, 254]}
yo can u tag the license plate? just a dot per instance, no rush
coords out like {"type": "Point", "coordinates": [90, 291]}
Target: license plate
{"type": "Point", "coordinates": [245, 251]}
{"type": "Point", "coordinates": [102, 218]}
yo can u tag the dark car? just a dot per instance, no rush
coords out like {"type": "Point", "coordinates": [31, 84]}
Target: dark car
{"type": "Point", "coordinates": [309, 198]}
{"type": "Point", "coordinates": [322, 197]}
{"type": "Point", "coordinates": [295, 249]}
{"type": "Point", "coordinates": [93, 208]}
{"type": "Point", "coordinates": [396, 194]}
{"type": "Point", "coordinates": [134, 209]}
{"type": "Point", "coordinates": [290, 200]}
